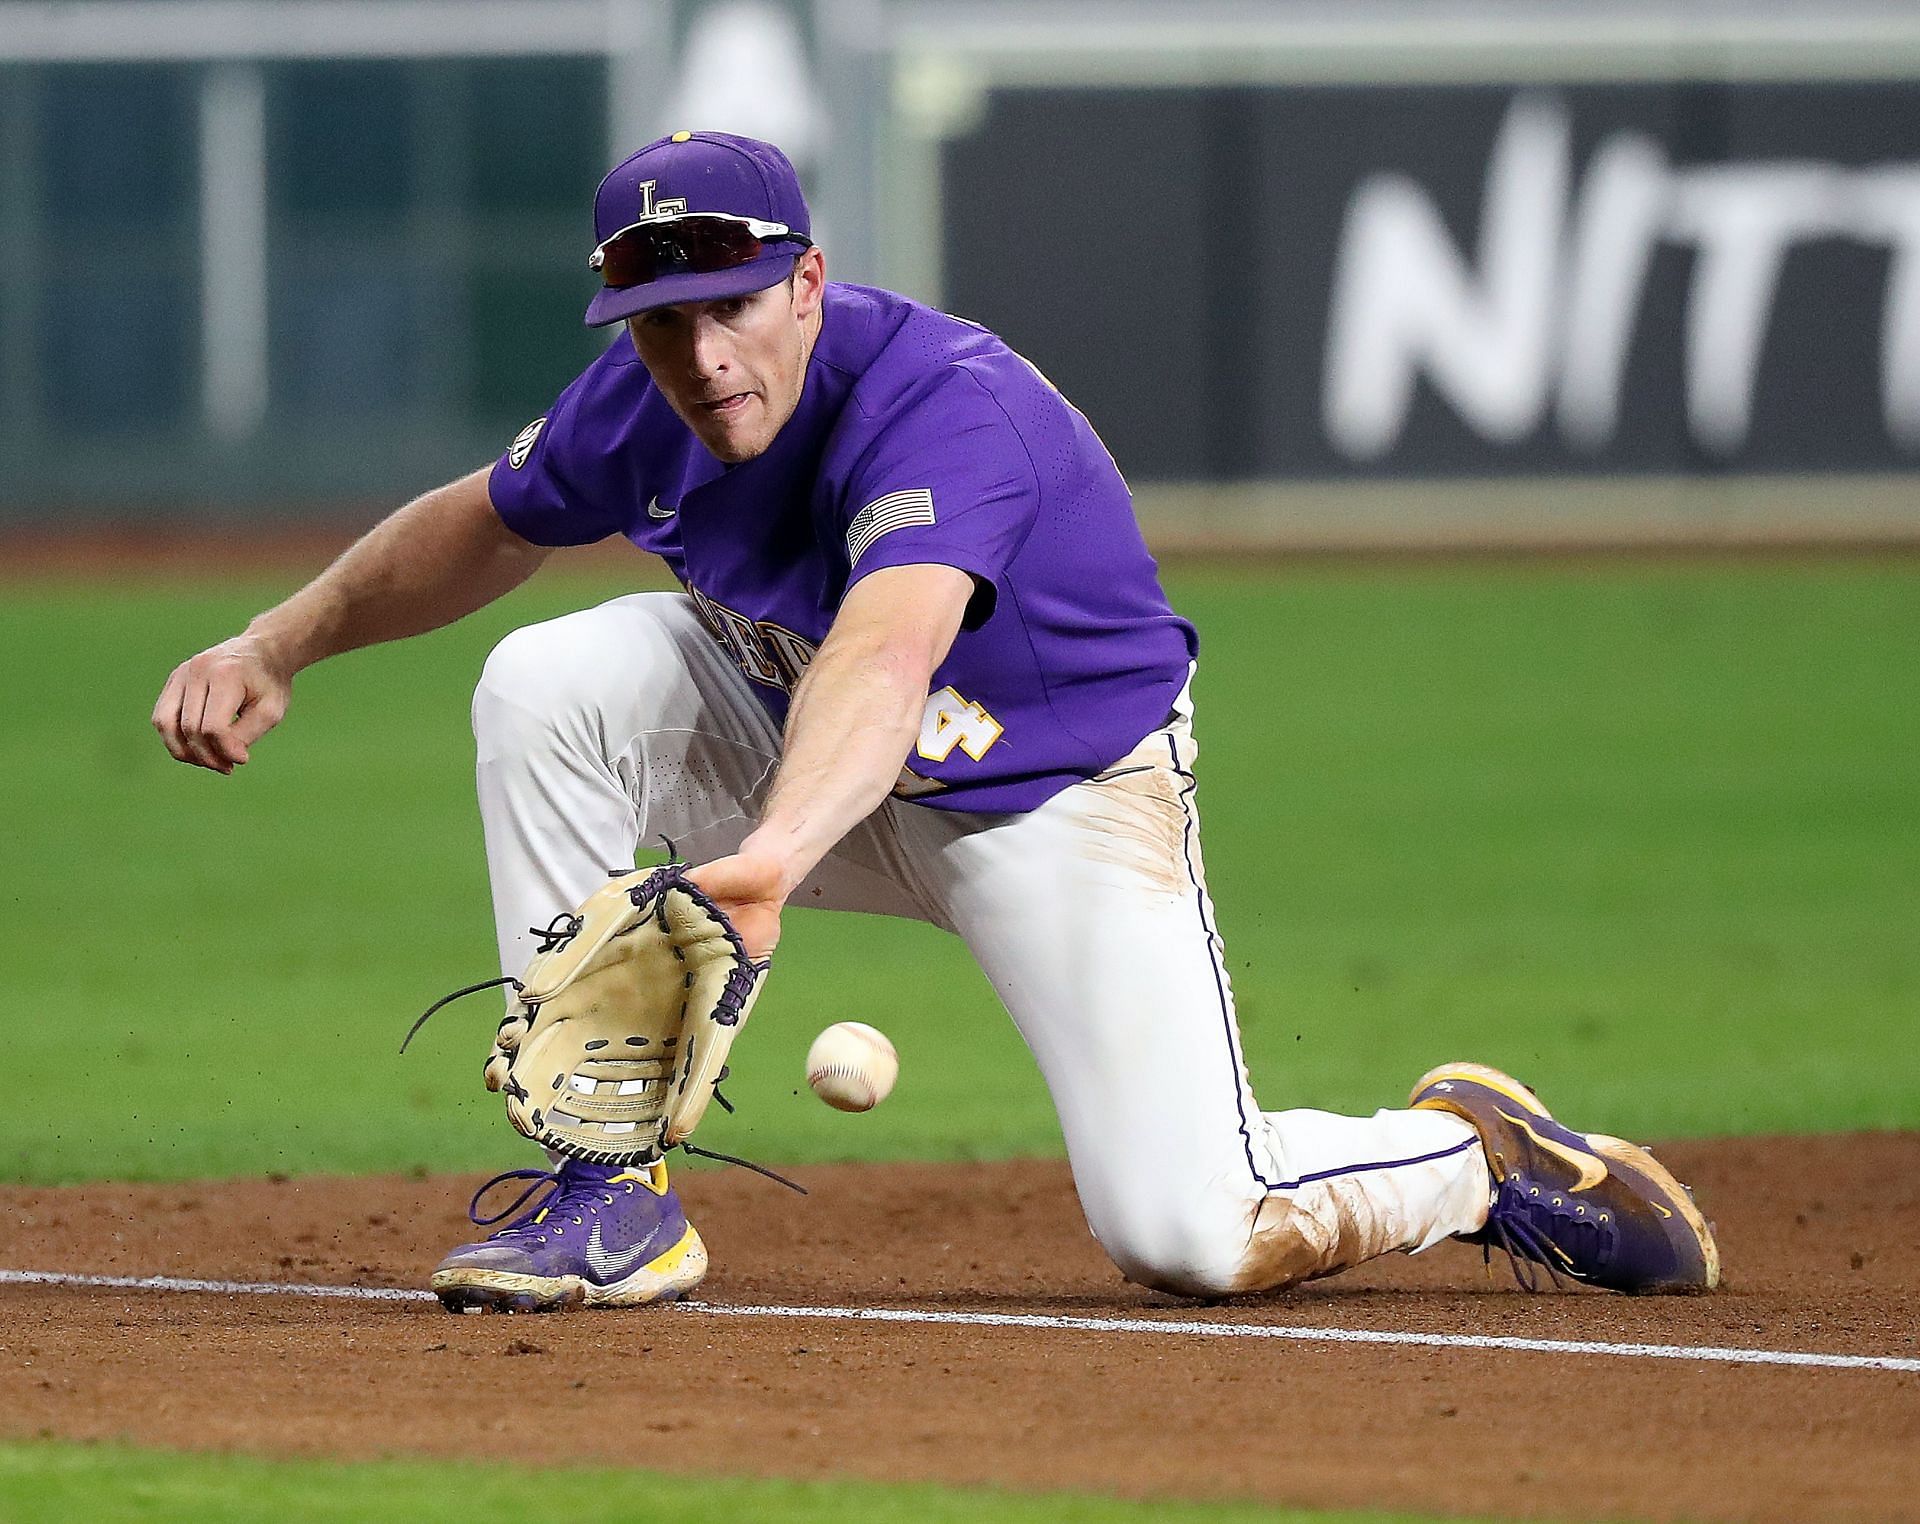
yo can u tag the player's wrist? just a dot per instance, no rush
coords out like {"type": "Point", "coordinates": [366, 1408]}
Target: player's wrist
{"type": "Point", "coordinates": [278, 647]}
{"type": "Point", "coordinates": [781, 854]}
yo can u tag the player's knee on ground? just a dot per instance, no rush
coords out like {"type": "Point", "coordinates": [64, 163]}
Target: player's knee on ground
{"type": "Point", "coordinates": [1196, 1248]}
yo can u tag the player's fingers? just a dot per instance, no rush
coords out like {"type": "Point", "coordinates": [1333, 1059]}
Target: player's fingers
{"type": "Point", "coordinates": [225, 694]}
{"type": "Point", "coordinates": [193, 705]}
{"type": "Point", "coordinates": [260, 713]}
{"type": "Point", "coordinates": [166, 714]}
{"type": "Point", "coordinates": [193, 710]}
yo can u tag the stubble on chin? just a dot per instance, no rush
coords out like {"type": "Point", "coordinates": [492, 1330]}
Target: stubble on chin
{"type": "Point", "coordinates": [732, 449]}
{"type": "Point", "coordinates": [739, 445]}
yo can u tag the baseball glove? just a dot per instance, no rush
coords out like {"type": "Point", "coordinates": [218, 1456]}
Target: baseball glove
{"type": "Point", "coordinates": [618, 1030]}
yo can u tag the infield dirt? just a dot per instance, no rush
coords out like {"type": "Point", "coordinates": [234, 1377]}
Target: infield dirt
{"type": "Point", "coordinates": [1821, 1237]}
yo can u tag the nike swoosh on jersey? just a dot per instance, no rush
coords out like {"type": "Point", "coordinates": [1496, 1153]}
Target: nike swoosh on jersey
{"type": "Point", "coordinates": [655, 511]}
{"type": "Point", "coordinates": [612, 1262]}
{"type": "Point", "coordinates": [1592, 1170]}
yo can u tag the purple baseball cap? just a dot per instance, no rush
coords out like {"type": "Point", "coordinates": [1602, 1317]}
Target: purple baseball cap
{"type": "Point", "coordinates": [699, 172]}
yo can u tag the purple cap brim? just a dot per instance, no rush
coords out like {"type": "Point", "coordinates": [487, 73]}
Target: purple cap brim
{"type": "Point", "coordinates": [610, 305]}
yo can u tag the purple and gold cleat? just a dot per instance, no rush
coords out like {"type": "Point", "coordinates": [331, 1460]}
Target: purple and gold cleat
{"type": "Point", "coordinates": [601, 1237]}
{"type": "Point", "coordinates": [1589, 1207]}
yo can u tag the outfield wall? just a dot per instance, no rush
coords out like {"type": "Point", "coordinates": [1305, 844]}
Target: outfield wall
{"type": "Point", "coordinates": [1339, 281]}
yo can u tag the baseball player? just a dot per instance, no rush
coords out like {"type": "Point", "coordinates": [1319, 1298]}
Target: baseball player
{"type": "Point", "coordinates": [922, 665]}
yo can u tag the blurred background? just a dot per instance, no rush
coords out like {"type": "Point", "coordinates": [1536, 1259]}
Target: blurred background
{"type": "Point", "coordinates": [1358, 273]}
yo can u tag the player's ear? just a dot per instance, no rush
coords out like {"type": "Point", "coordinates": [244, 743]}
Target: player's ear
{"type": "Point", "coordinates": [809, 282]}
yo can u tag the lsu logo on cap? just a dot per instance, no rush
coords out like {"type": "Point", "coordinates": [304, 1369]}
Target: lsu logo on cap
{"type": "Point", "coordinates": [522, 445]}
{"type": "Point", "coordinates": [666, 206]}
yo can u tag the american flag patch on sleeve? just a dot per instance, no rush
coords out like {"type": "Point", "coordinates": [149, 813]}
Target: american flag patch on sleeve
{"type": "Point", "coordinates": [884, 515]}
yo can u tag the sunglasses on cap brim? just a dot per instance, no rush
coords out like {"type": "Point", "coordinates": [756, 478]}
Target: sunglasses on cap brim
{"type": "Point", "coordinates": [694, 243]}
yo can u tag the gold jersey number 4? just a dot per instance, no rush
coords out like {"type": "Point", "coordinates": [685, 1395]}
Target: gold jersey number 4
{"type": "Point", "coordinates": [950, 721]}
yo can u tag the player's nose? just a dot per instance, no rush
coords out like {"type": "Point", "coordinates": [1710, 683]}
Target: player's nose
{"type": "Point", "coordinates": [710, 352]}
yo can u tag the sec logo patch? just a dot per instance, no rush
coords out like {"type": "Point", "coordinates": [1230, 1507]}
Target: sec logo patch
{"type": "Point", "coordinates": [522, 445]}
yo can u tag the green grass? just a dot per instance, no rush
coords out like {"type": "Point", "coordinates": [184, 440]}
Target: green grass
{"type": "Point", "coordinates": [1650, 836]}
{"type": "Point", "coordinates": [110, 1484]}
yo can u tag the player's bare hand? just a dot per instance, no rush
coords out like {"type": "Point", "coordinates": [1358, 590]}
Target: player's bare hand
{"type": "Point", "coordinates": [751, 890]}
{"type": "Point", "coordinates": [215, 706]}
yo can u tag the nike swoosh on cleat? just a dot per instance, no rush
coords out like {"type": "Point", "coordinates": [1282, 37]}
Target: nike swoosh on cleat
{"type": "Point", "coordinates": [1592, 1170]}
{"type": "Point", "coordinates": [608, 1261]}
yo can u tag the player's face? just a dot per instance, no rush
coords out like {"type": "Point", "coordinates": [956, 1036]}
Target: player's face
{"type": "Point", "coordinates": [733, 370]}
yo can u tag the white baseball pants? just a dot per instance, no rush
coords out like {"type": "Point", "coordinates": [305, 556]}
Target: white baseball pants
{"type": "Point", "coordinates": [623, 723]}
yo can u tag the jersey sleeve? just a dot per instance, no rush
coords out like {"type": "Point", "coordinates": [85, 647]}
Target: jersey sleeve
{"type": "Point", "coordinates": [947, 482]}
{"type": "Point", "coordinates": [542, 486]}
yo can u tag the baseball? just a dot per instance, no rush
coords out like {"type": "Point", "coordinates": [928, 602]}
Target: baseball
{"type": "Point", "coordinates": [851, 1066]}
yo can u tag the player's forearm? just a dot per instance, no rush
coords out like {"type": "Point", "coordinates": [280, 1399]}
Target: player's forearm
{"type": "Point", "coordinates": [434, 561]}
{"type": "Point", "coordinates": [854, 718]}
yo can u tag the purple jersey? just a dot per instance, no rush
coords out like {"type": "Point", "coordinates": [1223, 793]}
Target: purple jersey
{"type": "Point", "coordinates": [920, 438]}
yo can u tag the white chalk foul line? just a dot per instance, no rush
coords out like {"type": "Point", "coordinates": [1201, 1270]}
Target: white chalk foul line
{"type": "Point", "coordinates": [1192, 1328]}
{"type": "Point", "coordinates": [1305, 1335]}
{"type": "Point", "coordinates": [218, 1288]}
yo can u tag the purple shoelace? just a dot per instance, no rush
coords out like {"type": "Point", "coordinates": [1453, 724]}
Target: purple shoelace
{"type": "Point", "coordinates": [1524, 1230]}
{"type": "Point", "coordinates": [569, 1187]}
